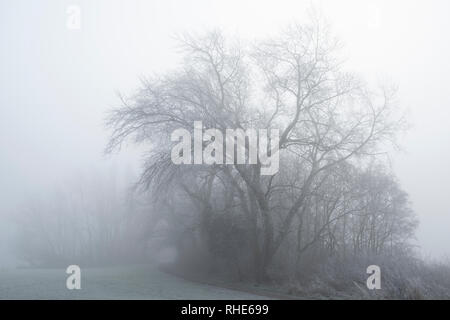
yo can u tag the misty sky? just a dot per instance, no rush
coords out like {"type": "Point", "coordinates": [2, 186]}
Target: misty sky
{"type": "Point", "coordinates": [56, 84]}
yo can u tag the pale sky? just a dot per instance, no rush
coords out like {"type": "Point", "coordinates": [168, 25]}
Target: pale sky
{"type": "Point", "coordinates": [56, 83]}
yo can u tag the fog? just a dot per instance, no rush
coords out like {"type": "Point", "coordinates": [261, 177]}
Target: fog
{"type": "Point", "coordinates": [57, 85]}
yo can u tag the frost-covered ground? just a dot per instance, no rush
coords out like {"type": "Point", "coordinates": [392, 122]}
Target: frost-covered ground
{"type": "Point", "coordinates": [137, 282]}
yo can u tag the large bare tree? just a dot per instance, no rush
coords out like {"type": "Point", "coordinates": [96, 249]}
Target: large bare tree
{"type": "Point", "coordinates": [294, 82]}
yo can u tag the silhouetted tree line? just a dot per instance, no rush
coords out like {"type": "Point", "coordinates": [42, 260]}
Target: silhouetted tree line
{"type": "Point", "coordinates": [333, 196]}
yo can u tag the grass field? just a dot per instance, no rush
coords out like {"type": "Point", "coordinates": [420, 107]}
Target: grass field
{"type": "Point", "coordinates": [136, 282]}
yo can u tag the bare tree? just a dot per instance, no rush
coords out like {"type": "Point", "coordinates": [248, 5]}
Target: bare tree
{"type": "Point", "coordinates": [328, 119]}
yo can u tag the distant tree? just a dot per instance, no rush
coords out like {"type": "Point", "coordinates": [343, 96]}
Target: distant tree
{"type": "Point", "coordinates": [91, 221]}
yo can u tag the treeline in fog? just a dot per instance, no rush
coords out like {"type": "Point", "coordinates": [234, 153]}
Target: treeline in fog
{"type": "Point", "coordinates": [333, 208]}
{"type": "Point", "coordinates": [334, 195]}
{"type": "Point", "coordinates": [91, 220]}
